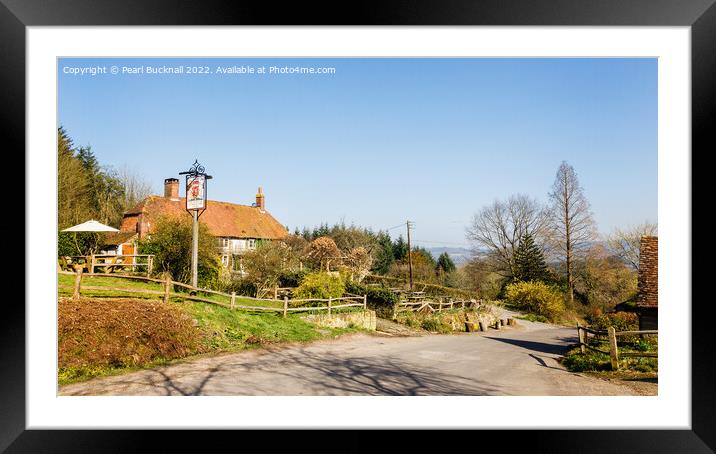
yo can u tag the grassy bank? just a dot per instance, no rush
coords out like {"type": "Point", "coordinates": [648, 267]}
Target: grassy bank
{"type": "Point", "coordinates": [593, 361]}
{"type": "Point", "coordinates": [106, 336]}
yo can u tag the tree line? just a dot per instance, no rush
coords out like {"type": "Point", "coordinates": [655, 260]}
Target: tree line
{"type": "Point", "coordinates": [518, 239]}
{"type": "Point", "coordinates": [389, 256]}
{"type": "Point", "coordinates": [88, 190]}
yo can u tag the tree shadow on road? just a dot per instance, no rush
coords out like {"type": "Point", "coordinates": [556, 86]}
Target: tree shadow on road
{"type": "Point", "coordinates": [560, 347]}
{"type": "Point", "coordinates": [328, 374]}
{"type": "Point", "coordinates": [543, 363]}
{"type": "Point", "coordinates": [296, 372]}
{"type": "Point", "coordinates": [173, 388]}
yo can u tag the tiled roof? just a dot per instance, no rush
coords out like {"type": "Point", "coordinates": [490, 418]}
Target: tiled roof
{"type": "Point", "coordinates": [115, 238]}
{"type": "Point", "coordinates": [223, 219]}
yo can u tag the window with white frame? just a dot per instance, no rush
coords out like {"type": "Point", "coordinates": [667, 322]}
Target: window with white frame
{"type": "Point", "coordinates": [252, 243]}
{"type": "Point", "coordinates": [225, 260]}
{"type": "Point", "coordinates": [238, 245]}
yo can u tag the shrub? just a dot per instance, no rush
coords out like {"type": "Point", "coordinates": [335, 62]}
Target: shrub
{"type": "Point", "coordinates": [436, 324]}
{"type": "Point", "coordinates": [240, 286]}
{"type": "Point", "coordinates": [320, 285]}
{"type": "Point", "coordinates": [291, 278]}
{"type": "Point", "coordinates": [77, 243]}
{"type": "Point", "coordinates": [621, 321]}
{"type": "Point", "coordinates": [381, 300]}
{"type": "Point", "coordinates": [171, 244]}
{"type": "Point", "coordinates": [536, 297]}
{"type": "Point", "coordinates": [266, 264]}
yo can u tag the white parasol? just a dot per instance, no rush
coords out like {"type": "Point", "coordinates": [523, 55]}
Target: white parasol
{"type": "Point", "coordinates": [91, 226]}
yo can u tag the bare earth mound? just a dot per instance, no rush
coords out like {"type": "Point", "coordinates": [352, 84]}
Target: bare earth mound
{"type": "Point", "coordinates": [121, 333]}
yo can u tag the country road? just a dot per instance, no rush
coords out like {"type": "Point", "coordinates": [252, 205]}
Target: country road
{"type": "Point", "coordinates": [513, 361]}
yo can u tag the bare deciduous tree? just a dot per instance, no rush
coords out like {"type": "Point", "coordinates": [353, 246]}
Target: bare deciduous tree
{"type": "Point", "coordinates": [626, 244]}
{"type": "Point", "coordinates": [499, 227]}
{"type": "Point", "coordinates": [135, 188]}
{"type": "Point", "coordinates": [571, 219]}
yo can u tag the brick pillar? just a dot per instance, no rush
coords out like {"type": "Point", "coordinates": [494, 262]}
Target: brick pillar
{"type": "Point", "coordinates": [648, 289]}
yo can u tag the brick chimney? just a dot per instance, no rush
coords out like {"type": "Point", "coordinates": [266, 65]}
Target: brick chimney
{"type": "Point", "coordinates": [260, 201]}
{"type": "Point", "coordinates": [648, 285]}
{"type": "Point", "coordinates": [171, 189]}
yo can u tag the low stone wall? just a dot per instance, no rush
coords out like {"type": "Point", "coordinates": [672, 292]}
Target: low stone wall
{"type": "Point", "coordinates": [362, 319]}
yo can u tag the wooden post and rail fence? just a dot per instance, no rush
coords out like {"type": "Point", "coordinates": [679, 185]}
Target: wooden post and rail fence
{"type": "Point", "coordinates": [169, 285]}
{"type": "Point", "coordinates": [611, 334]}
{"type": "Point", "coordinates": [107, 262]}
{"type": "Point", "coordinates": [435, 306]}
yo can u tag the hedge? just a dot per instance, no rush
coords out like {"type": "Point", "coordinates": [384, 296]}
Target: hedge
{"type": "Point", "coordinates": [382, 301]}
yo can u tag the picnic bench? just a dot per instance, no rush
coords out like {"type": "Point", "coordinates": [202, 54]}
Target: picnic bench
{"type": "Point", "coordinates": [71, 262]}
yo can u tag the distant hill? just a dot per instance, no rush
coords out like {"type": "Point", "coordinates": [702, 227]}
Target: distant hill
{"type": "Point", "coordinates": [458, 255]}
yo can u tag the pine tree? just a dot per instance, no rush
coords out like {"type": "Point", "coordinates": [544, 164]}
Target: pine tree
{"type": "Point", "coordinates": [400, 249]}
{"type": "Point", "coordinates": [529, 261]}
{"type": "Point", "coordinates": [445, 263]}
{"type": "Point", "coordinates": [384, 257]}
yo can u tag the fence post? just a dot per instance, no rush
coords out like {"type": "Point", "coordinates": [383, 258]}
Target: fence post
{"type": "Point", "coordinates": [150, 264]}
{"type": "Point", "coordinates": [285, 305]}
{"type": "Point", "coordinates": [330, 300]}
{"type": "Point", "coordinates": [275, 292]}
{"type": "Point", "coordinates": [365, 302]}
{"type": "Point", "coordinates": [167, 284]}
{"type": "Point", "coordinates": [613, 351]}
{"type": "Point", "coordinates": [233, 300]}
{"type": "Point", "coordinates": [78, 283]}
{"type": "Point", "coordinates": [581, 334]}
{"type": "Point", "coordinates": [92, 264]}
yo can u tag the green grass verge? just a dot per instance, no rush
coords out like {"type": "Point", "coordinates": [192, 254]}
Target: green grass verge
{"type": "Point", "coordinates": [533, 318]}
{"type": "Point", "coordinates": [591, 361]}
{"type": "Point", "coordinates": [227, 330]}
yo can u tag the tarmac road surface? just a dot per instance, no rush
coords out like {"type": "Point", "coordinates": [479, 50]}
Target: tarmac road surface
{"type": "Point", "coordinates": [516, 361]}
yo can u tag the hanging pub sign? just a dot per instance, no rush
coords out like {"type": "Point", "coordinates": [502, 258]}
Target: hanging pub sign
{"type": "Point", "coordinates": [196, 192]}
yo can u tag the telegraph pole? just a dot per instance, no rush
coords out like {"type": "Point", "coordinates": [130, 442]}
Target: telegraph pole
{"type": "Point", "coordinates": [410, 256]}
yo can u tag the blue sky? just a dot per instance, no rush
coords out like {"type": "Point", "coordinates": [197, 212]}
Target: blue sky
{"type": "Point", "coordinates": [381, 140]}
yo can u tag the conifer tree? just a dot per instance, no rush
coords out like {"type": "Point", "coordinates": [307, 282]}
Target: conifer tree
{"type": "Point", "coordinates": [445, 263]}
{"type": "Point", "coordinates": [529, 261]}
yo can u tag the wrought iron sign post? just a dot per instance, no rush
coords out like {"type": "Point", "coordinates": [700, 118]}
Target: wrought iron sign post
{"type": "Point", "coordinates": [196, 180]}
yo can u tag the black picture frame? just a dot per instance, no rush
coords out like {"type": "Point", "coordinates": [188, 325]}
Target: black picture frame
{"type": "Point", "coordinates": [16, 15]}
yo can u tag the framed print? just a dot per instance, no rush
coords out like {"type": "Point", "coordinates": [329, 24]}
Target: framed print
{"type": "Point", "coordinates": [453, 112]}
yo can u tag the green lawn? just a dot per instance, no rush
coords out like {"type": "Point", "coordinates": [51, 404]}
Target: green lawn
{"type": "Point", "coordinates": [118, 282]}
